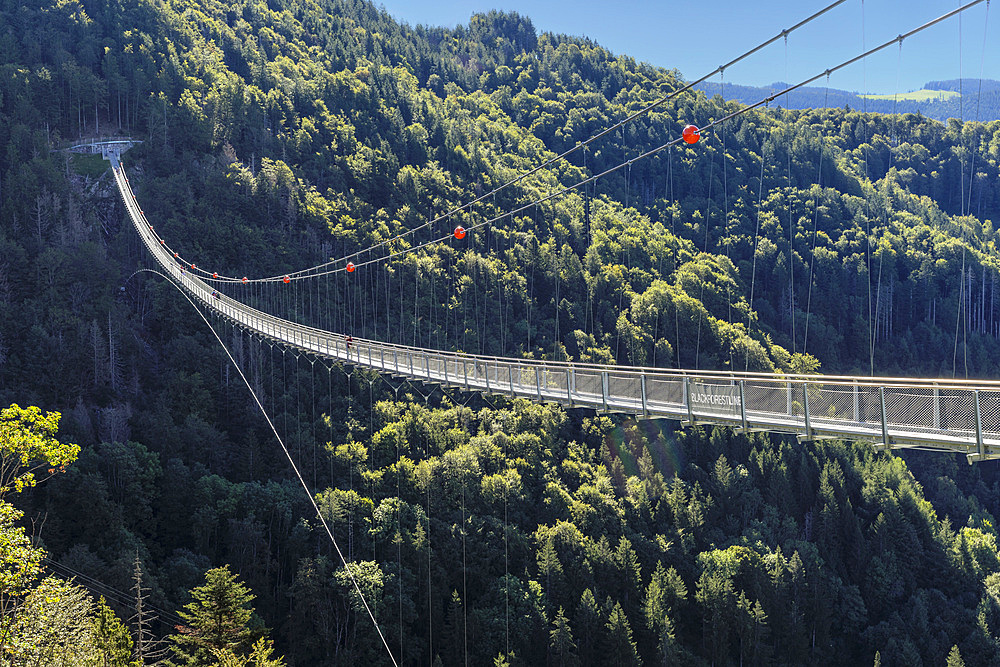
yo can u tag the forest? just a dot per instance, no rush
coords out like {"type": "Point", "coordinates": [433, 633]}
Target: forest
{"type": "Point", "coordinates": [972, 99]}
{"type": "Point", "coordinates": [141, 490]}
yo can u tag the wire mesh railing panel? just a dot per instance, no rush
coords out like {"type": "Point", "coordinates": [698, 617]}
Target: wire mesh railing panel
{"type": "Point", "coordinates": [555, 380]}
{"type": "Point", "coordinates": [869, 407]}
{"type": "Point", "coordinates": [957, 410]}
{"type": "Point", "coordinates": [492, 374]}
{"type": "Point", "coordinates": [524, 379]}
{"type": "Point", "coordinates": [515, 380]}
{"type": "Point", "coordinates": [476, 371]}
{"type": "Point", "coordinates": [831, 403]}
{"type": "Point", "coordinates": [666, 392]}
{"type": "Point", "coordinates": [989, 409]}
{"type": "Point", "coordinates": [461, 370]}
{"type": "Point", "coordinates": [587, 383]}
{"type": "Point", "coordinates": [910, 406]}
{"type": "Point", "coordinates": [625, 390]}
{"type": "Point", "coordinates": [797, 393]}
{"type": "Point", "coordinates": [766, 397]}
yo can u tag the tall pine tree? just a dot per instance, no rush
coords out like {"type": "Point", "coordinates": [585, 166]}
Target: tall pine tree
{"type": "Point", "coordinates": [216, 620]}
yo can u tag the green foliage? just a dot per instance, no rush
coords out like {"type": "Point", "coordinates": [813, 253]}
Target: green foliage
{"type": "Point", "coordinates": [261, 655]}
{"type": "Point", "coordinates": [54, 626]}
{"type": "Point", "coordinates": [216, 619]}
{"type": "Point", "coordinates": [28, 444]}
{"type": "Point", "coordinates": [111, 639]}
{"type": "Point", "coordinates": [621, 649]}
{"type": "Point", "coordinates": [20, 560]}
{"type": "Point", "coordinates": [561, 640]}
{"type": "Point", "coordinates": [45, 622]}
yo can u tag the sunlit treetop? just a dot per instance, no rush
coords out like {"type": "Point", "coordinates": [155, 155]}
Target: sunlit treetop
{"type": "Point", "coordinates": [28, 444]}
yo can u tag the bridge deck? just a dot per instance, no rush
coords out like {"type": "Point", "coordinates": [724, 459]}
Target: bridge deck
{"type": "Point", "coordinates": [944, 415]}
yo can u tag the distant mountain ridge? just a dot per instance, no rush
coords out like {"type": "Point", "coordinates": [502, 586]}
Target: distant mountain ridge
{"type": "Point", "coordinates": [978, 99]}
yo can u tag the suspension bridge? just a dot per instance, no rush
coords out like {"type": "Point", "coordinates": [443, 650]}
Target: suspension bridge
{"type": "Point", "coordinates": [921, 413]}
{"type": "Point", "coordinates": [936, 414]}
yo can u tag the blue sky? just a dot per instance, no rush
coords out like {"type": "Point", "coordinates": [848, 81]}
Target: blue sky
{"type": "Point", "coordinates": [699, 36]}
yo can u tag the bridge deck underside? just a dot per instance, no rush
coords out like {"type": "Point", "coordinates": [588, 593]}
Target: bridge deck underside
{"type": "Point", "coordinates": [898, 413]}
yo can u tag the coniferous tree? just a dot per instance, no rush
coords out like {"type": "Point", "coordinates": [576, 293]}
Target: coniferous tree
{"type": "Point", "coordinates": [589, 624]}
{"type": "Point", "coordinates": [453, 634]}
{"type": "Point", "coordinates": [561, 641]}
{"type": "Point", "coordinates": [216, 619]}
{"type": "Point", "coordinates": [549, 569]}
{"type": "Point", "coordinates": [621, 649]}
{"type": "Point", "coordinates": [665, 591]}
{"type": "Point", "coordinates": [111, 639]}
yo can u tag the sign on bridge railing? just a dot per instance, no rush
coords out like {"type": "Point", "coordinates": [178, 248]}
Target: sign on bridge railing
{"type": "Point", "coordinates": [715, 399]}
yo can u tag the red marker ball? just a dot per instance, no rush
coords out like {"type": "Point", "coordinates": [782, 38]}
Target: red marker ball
{"type": "Point", "coordinates": [350, 267]}
{"type": "Point", "coordinates": [215, 275]}
{"type": "Point", "coordinates": [460, 232]}
{"type": "Point", "coordinates": [175, 254]}
{"type": "Point", "coordinates": [192, 266]}
{"type": "Point", "coordinates": [691, 134]}
{"type": "Point", "coordinates": [245, 279]}
{"type": "Point", "coordinates": [286, 280]}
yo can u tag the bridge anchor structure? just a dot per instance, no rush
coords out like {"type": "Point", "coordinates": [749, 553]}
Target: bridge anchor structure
{"type": "Point", "coordinates": [110, 149]}
{"type": "Point", "coordinates": [959, 416]}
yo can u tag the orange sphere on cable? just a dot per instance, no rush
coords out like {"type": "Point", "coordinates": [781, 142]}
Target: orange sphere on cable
{"type": "Point", "coordinates": [691, 134]}
{"type": "Point", "coordinates": [460, 232]}
{"type": "Point", "coordinates": [286, 280]}
{"type": "Point", "coordinates": [245, 280]}
{"type": "Point", "coordinates": [350, 267]}
{"type": "Point", "coordinates": [215, 275]}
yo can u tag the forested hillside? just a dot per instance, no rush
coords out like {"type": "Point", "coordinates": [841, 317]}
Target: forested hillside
{"type": "Point", "coordinates": [970, 99]}
{"type": "Point", "coordinates": [280, 134]}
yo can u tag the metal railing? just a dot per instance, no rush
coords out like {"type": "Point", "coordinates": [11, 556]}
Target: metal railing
{"type": "Point", "coordinates": [936, 414]}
